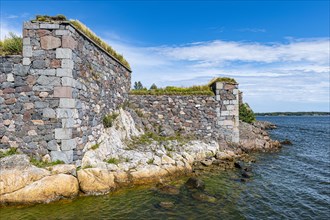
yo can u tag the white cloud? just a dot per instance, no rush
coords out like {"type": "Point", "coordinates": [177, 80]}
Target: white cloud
{"type": "Point", "coordinates": [6, 28]}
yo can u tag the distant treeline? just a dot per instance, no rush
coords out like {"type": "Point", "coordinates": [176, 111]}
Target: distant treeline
{"type": "Point", "coordinates": [291, 113]}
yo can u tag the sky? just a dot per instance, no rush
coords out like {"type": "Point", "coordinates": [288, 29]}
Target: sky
{"type": "Point", "coordinates": [278, 51]}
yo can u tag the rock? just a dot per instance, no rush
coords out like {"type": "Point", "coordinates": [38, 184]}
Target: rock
{"type": "Point", "coordinates": [166, 131]}
{"type": "Point", "coordinates": [96, 181]}
{"type": "Point", "coordinates": [203, 197]}
{"type": "Point", "coordinates": [170, 190]}
{"type": "Point", "coordinates": [207, 162]}
{"type": "Point", "coordinates": [69, 169]}
{"type": "Point", "coordinates": [167, 160]}
{"type": "Point", "coordinates": [238, 165]}
{"type": "Point", "coordinates": [286, 142]}
{"type": "Point", "coordinates": [194, 183]}
{"type": "Point", "coordinates": [50, 42]}
{"type": "Point", "coordinates": [245, 174]}
{"type": "Point", "coordinates": [47, 189]}
{"type": "Point", "coordinates": [166, 204]}
{"type": "Point", "coordinates": [17, 161]}
{"type": "Point", "coordinates": [148, 174]}
{"type": "Point", "coordinates": [247, 169]}
{"type": "Point", "coordinates": [15, 178]}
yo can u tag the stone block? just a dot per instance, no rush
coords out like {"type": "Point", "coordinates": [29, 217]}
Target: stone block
{"type": "Point", "coordinates": [65, 156]}
{"type": "Point", "coordinates": [63, 92]}
{"type": "Point", "coordinates": [68, 81]}
{"type": "Point", "coordinates": [39, 64]}
{"type": "Point", "coordinates": [66, 113]}
{"type": "Point", "coordinates": [27, 51]}
{"type": "Point", "coordinates": [64, 72]}
{"type": "Point", "coordinates": [235, 91]}
{"type": "Point", "coordinates": [217, 97]}
{"type": "Point", "coordinates": [52, 145]}
{"type": "Point", "coordinates": [30, 26]}
{"type": "Point", "coordinates": [48, 81]}
{"type": "Point", "coordinates": [26, 41]}
{"type": "Point", "coordinates": [219, 85]}
{"type": "Point", "coordinates": [49, 113]}
{"type": "Point", "coordinates": [10, 77]}
{"type": "Point", "coordinates": [225, 113]}
{"type": "Point", "coordinates": [63, 53]}
{"type": "Point", "coordinates": [41, 104]}
{"type": "Point", "coordinates": [62, 32]}
{"type": "Point", "coordinates": [50, 42]}
{"type": "Point", "coordinates": [63, 133]}
{"type": "Point", "coordinates": [49, 26]}
{"type": "Point", "coordinates": [46, 72]}
{"type": "Point", "coordinates": [26, 61]}
{"type": "Point", "coordinates": [68, 42]}
{"type": "Point", "coordinates": [68, 123]}
{"type": "Point", "coordinates": [68, 144]}
{"type": "Point", "coordinates": [67, 63]}
{"type": "Point", "coordinates": [67, 103]}
{"type": "Point", "coordinates": [43, 88]}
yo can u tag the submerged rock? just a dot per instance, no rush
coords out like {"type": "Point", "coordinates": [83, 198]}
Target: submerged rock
{"type": "Point", "coordinates": [238, 165]}
{"type": "Point", "coordinates": [246, 174]}
{"type": "Point", "coordinates": [286, 142]}
{"type": "Point", "coordinates": [194, 183]}
{"type": "Point", "coordinates": [170, 190]}
{"type": "Point", "coordinates": [166, 204]}
{"type": "Point", "coordinates": [207, 162]}
{"type": "Point", "coordinates": [203, 197]}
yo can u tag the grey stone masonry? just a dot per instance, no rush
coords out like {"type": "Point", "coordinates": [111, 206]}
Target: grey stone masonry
{"type": "Point", "coordinates": [54, 96]}
{"type": "Point", "coordinates": [202, 116]}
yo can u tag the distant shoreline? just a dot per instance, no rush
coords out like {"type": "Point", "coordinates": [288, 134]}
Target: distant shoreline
{"type": "Point", "coordinates": [293, 114]}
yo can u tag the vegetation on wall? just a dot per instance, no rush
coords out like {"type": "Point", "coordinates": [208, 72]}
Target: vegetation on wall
{"type": "Point", "coordinates": [12, 45]}
{"type": "Point", "coordinates": [109, 119]}
{"type": "Point", "coordinates": [80, 26]}
{"type": "Point", "coordinates": [84, 29]}
{"type": "Point", "coordinates": [246, 114]}
{"type": "Point", "coordinates": [173, 90]}
{"type": "Point", "coordinates": [222, 79]}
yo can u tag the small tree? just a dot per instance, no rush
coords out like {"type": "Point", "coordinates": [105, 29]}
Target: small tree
{"type": "Point", "coordinates": [246, 114]}
{"type": "Point", "coordinates": [153, 86]}
{"type": "Point", "coordinates": [138, 86]}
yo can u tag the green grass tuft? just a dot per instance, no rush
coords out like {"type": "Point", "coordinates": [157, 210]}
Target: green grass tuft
{"type": "Point", "coordinates": [41, 164]}
{"type": "Point", "coordinates": [9, 152]}
{"type": "Point", "coordinates": [222, 79]}
{"type": "Point", "coordinates": [12, 45]}
{"type": "Point", "coordinates": [109, 119]}
{"type": "Point", "coordinates": [113, 161]}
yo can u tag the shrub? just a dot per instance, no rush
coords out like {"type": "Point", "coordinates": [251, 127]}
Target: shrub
{"type": "Point", "coordinates": [12, 45]}
{"type": "Point", "coordinates": [109, 119]}
{"type": "Point", "coordinates": [222, 79]}
{"type": "Point", "coordinates": [47, 18]}
{"type": "Point", "coordinates": [153, 86]}
{"type": "Point", "coordinates": [246, 114]}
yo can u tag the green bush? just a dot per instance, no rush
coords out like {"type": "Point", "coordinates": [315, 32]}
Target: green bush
{"type": "Point", "coordinates": [12, 45]}
{"type": "Point", "coordinates": [41, 164]}
{"type": "Point", "coordinates": [109, 119]}
{"type": "Point", "coordinates": [9, 152]}
{"type": "Point", "coordinates": [246, 114]}
{"type": "Point", "coordinates": [223, 79]}
{"type": "Point", "coordinates": [173, 90]}
{"type": "Point", "coordinates": [113, 161]}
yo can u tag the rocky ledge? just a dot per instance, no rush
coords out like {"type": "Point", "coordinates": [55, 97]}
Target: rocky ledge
{"type": "Point", "coordinates": [123, 156]}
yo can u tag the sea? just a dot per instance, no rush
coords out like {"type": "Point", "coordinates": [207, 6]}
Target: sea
{"type": "Point", "coordinates": [293, 183]}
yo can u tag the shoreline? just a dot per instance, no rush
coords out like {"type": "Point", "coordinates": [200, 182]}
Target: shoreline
{"type": "Point", "coordinates": [23, 183]}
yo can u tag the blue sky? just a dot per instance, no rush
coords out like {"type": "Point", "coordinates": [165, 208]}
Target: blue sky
{"type": "Point", "coordinates": [277, 50]}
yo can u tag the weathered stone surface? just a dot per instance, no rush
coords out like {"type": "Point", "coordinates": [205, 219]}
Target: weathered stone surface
{"type": "Point", "coordinates": [67, 103]}
{"type": "Point", "coordinates": [49, 81]}
{"type": "Point", "coordinates": [67, 64]}
{"type": "Point", "coordinates": [63, 133]}
{"type": "Point", "coordinates": [68, 42]}
{"type": "Point", "coordinates": [65, 156]}
{"type": "Point", "coordinates": [49, 113]}
{"type": "Point", "coordinates": [47, 189]}
{"type": "Point", "coordinates": [68, 144]}
{"type": "Point", "coordinates": [50, 42]}
{"type": "Point", "coordinates": [95, 180]}
{"type": "Point", "coordinates": [63, 53]}
{"type": "Point", "coordinates": [52, 145]}
{"type": "Point", "coordinates": [49, 26]}
{"type": "Point", "coordinates": [27, 51]}
{"type": "Point", "coordinates": [69, 169]}
{"type": "Point", "coordinates": [64, 72]}
{"type": "Point", "coordinates": [63, 92]}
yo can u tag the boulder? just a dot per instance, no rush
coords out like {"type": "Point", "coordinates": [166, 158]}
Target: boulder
{"type": "Point", "coordinates": [204, 197]}
{"type": "Point", "coordinates": [47, 189]}
{"type": "Point", "coordinates": [166, 204]}
{"type": "Point", "coordinates": [194, 183]}
{"type": "Point", "coordinates": [96, 181]}
{"type": "Point", "coordinates": [69, 169]}
{"type": "Point", "coordinates": [170, 190]}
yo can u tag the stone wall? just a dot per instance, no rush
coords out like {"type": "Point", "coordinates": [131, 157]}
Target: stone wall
{"type": "Point", "coordinates": [202, 116]}
{"type": "Point", "coordinates": [54, 97]}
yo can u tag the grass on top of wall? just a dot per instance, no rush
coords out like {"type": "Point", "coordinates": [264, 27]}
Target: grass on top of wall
{"type": "Point", "coordinates": [84, 29]}
{"type": "Point", "coordinates": [11, 45]}
{"type": "Point", "coordinates": [222, 79]}
{"type": "Point", "coordinates": [172, 90]}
